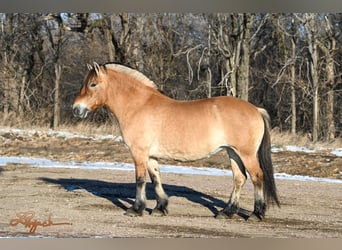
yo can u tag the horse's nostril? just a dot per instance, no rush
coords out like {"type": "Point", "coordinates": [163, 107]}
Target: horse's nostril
{"type": "Point", "coordinates": [76, 112]}
{"type": "Point", "coordinates": [80, 111]}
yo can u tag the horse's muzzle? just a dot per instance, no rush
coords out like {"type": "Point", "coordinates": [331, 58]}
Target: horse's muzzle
{"type": "Point", "coordinates": [80, 111]}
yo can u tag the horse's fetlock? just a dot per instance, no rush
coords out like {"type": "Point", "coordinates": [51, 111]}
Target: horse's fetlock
{"type": "Point", "coordinates": [139, 206]}
{"type": "Point", "coordinates": [259, 209]}
{"type": "Point", "coordinates": [231, 209]}
{"type": "Point", "coordinates": [162, 203]}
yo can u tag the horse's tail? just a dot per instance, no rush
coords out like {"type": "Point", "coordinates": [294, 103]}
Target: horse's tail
{"type": "Point", "coordinates": [264, 155]}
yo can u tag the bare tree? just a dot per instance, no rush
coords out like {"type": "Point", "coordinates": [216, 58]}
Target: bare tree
{"type": "Point", "coordinates": [55, 31]}
{"type": "Point", "coordinates": [288, 63]}
{"type": "Point", "coordinates": [18, 38]}
{"type": "Point", "coordinates": [232, 40]}
{"type": "Point", "coordinates": [286, 30]}
{"type": "Point", "coordinates": [312, 31]}
{"type": "Point", "coordinates": [328, 46]}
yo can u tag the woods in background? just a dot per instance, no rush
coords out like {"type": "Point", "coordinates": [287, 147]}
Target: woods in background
{"type": "Point", "coordinates": [289, 64]}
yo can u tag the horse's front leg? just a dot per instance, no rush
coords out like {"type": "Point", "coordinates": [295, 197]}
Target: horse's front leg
{"type": "Point", "coordinates": [140, 200]}
{"type": "Point", "coordinates": [161, 196]}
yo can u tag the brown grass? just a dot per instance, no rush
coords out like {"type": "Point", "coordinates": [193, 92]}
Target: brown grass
{"type": "Point", "coordinates": [88, 128]}
{"type": "Point", "coordinates": [300, 139]}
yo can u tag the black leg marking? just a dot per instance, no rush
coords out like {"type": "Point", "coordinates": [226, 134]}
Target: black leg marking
{"type": "Point", "coordinates": [140, 202]}
{"type": "Point", "coordinates": [232, 154]}
{"type": "Point", "coordinates": [231, 209]}
{"type": "Point", "coordinates": [259, 209]}
{"type": "Point", "coordinates": [161, 207]}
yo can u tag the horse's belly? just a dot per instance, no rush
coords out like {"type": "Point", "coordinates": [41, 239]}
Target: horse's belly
{"type": "Point", "coordinates": [183, 154]}
{"type": "Point", "coordinates": [200, 142]}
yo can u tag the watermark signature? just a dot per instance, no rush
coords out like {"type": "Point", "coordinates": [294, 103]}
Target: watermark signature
{"type": "Point", "coordinates": [27, 220]}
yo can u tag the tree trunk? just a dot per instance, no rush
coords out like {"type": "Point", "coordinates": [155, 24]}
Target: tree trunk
{"type": "Point", "coordinates": [22, 94]}
{"type": "Point", "coordinates": [313, 59]}
{"type": "Point", "coordinates": [314, 76]}
{"type": "Point", "coordinates": [330, 69]}
{"type": "Point", "coordinates": [293, 90]}
{"type": "Point", "coordinates": [243, 82]}
{"type": "Point", "coordinates": [57, 101]}
{"type": "Point", "coordinates": [110, 46]}
{"type": "Point", "coordinates": [135, 44]}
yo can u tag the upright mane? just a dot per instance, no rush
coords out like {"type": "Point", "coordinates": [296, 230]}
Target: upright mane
{"type": "Point", "coordinates": [131, 72]}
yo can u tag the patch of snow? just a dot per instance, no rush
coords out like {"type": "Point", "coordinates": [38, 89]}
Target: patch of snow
{"type": "Point", "coordinates": [284, 176]}
{"type": "Point", "coordinates": [45, 163]}
{"type": "Point", "coordinates": [58, 133]}
{"type": "Point", "coordinates": [337, 152]}
{"type": "Point", "coordinates": [293, 148]}
{"type": "Point", "coordinates": [118, 139]}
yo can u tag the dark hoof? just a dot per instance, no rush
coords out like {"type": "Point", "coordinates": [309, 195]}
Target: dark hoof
{"type": "Point", "coordinates": [161, 208]}
{"type": "Point", "coordinates": [255, 217]}
{"type": "Point", "coordinates": [244, 213]}
{"type": "Point", "coordinates": [241, 213]}
{"type": "Point", "coordinates": [133, 213]}
{"type": "Point", "coordinates": [259, 209]}
{"type": "Point", "coordinates": [228, 212]}
{"type": "Point", "coordinates": [159, 212]}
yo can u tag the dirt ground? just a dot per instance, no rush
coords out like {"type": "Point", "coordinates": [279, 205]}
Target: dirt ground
{"type": "Point", "coordinates": [91, 203]}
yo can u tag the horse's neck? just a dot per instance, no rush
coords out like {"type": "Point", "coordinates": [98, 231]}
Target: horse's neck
{"type": "Point", "coordinates": [126, 99]}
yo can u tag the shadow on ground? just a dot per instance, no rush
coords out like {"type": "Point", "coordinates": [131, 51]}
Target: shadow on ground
{"type": "Point", "coordinates": [118, 192]}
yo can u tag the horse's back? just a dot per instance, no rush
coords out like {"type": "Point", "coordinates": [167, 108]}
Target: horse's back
{"type": "Point", "coordinates": [189, 130]}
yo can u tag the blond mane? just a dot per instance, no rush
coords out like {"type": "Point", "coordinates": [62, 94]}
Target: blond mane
{"type": "Point", "coordinates": [131, 72]}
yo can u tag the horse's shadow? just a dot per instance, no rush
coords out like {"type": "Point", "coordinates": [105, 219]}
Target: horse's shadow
{"type": "Point", "coordinates": [118, 192]}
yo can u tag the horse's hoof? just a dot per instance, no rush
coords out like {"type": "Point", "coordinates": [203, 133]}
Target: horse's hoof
{"type": "Point", "coordinates": [132, 213]}
{"type": "Point", "coordinates": [159, 212]}
{"type": "Point", "coordinates": [254, 218]}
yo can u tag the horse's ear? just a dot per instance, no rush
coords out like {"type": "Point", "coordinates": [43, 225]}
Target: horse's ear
{"type": "Point", "coordinates": [97, 68]}
{"type": "Point", "coordinates": [89, 66]}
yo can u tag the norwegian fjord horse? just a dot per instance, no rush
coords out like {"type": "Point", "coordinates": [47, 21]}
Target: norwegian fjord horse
{"type": "Point", "coordinates": [155, 126]}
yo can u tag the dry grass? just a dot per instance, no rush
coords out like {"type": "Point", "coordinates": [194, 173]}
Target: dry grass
{"type": "Point", "coordinates": [300, 139]}
{"type": "Point", "coordinates": [12, 120]}
{"type": "Point", "coordinates": [88, 128]}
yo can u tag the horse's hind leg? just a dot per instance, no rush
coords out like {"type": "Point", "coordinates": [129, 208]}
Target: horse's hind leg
{"type": "Point", "coordinates": [233, 203]}
{"type": "Point", "coordinates": [257, 178]}
{"type": "Point", "coordinates": [162, 198]}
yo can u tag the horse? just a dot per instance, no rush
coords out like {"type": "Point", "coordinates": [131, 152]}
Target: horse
{"type": "Point", "coordinates": [155, 126]}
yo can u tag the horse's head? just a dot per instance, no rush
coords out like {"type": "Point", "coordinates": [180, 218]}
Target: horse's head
{"type": "Point", "coordinates": [92, 94]}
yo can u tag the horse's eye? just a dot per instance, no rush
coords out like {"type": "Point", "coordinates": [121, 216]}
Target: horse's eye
{"type": "Point", "coordinates": [92, 85]}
